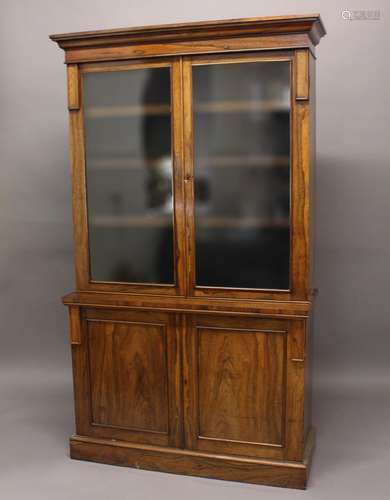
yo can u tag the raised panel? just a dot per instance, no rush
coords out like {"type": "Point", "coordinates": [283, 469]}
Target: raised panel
{"type": "Point", "coordinates": [128, 375]}
{"type": "Point", "coordinates": [127, 371]}
{"type": "Point", "coordinates": [242, 385]}
{"type": "Point", "coordinates": [236, 372]}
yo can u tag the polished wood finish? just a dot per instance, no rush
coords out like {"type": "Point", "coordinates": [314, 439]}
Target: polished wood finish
{"type": "Point", "coordinates": [73, 87]}
{"type": "Point", "coordinates": [302, 74]}
{"type": "Point", "coordinates": [206, 381]}
{"type": "Point", "coordinates": [236, 383]}
{"type": "Point", "coordinates": [297, 264]}
{"type": "Point", "coordinates": [309, 23]}
{"type": "Point", "coordinates": [75, 325]}
{"type": "Point", "coordinates": [178, 461]}
{"type": "Point", "coordinates": [189, 38]}
{"type": "Point", "coordinates": [127, 370]}
{"type": "Point", "coordinates": [83, 278]}
{"type": "Point", "coordinates": [209, 305]}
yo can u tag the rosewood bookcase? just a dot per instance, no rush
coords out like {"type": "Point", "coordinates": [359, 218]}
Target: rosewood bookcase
{"type": "Point", "coordinates": [193, 157]}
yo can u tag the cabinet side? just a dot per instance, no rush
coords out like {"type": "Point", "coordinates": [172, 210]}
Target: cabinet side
{"type": "Point", "coordinates": [310, 322]}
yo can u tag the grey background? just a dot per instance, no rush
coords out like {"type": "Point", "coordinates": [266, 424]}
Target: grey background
{"type": "Point", "coordinates": [352, 335]}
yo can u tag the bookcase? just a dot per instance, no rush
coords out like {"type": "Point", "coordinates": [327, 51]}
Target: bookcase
{"type": "Point", "coordinates": [193, 158]}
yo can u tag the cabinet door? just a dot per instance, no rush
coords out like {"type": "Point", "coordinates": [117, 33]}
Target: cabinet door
{"type": "Point", "coordinates": [127, 377]}
{"type": "Point", "coordinates": [131, 178]}
{"type": "Point", "coordinates": [244, 386]}
{"type": "Point", "coordinates": [238, 169]}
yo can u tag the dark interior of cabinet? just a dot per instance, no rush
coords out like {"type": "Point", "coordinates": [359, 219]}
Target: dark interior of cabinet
{"type": "Point", "coordinates": [241, 134]}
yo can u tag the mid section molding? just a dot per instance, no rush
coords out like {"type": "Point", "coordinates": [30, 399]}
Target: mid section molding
{"type": "Point", "coordinates": [265, 308]}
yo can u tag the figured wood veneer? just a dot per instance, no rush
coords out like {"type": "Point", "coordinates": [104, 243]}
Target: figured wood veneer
{"type": "Point", "coordinates": [241, 385]}
{"type": "Point", "coordinates": [128, 373]}
{"type": "Point", "coordinates": [206, 381]}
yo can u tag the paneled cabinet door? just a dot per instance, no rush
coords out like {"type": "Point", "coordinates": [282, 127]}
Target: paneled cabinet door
{"type": "Point", "coordinates": [243, 386]}
{"type": "Point", "coordinates": [127, 377]}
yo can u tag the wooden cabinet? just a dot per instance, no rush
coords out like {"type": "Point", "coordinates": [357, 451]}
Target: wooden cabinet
{"type": "Point", "coordinates": [192, 151]}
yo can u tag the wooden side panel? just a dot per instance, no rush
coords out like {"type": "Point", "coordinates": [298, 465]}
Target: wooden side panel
{"type": "Point", "coordinates": [80, 370]}
{"type": "Point", "coordinates": [310, 321]}
{"type": "Point", "coordinates": [301, 178]}
{"type": "Point", "coordinates": [308, 376]}
{"type": "Point", "coordinates": [128, 375]}
{"type": "Point", "coordinates": [296, 390]}
{"type": "Point", "coordinates": [241, 385]}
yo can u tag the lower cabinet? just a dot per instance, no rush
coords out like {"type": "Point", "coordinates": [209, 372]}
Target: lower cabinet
{"type": "Point", "coordinates": [218, 384]}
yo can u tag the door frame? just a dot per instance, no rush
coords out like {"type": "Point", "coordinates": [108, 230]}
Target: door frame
{"type": "Point", "coordinates": [79, 179]}
{"type": "Point", "coordinates": [299, 179]}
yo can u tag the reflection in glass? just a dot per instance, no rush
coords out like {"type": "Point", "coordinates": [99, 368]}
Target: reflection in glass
{"type": "Point", "coordinates": [129, 175]}
{"type": "Point", "coordinates": [242, 174]}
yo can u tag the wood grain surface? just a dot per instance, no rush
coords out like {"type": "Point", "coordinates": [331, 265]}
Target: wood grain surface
{"type": "Point", "coordinates": [206, 381]}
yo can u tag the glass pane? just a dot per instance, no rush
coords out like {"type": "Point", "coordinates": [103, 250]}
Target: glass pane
{"type": "Point", "coordinates": [242, 174]}
{"type": "Point", "coordinates": [129, 175]}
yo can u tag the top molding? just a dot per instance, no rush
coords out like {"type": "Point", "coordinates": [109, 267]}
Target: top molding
{"type": "Point", "coordinates": [310, 25]}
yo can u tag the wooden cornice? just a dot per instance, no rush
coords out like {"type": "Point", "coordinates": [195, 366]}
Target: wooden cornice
{"type": "Point", "coordinates": [310, 24]}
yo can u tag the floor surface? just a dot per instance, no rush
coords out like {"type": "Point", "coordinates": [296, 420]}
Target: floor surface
{"type": "Point", "coordinates": [351, 462]}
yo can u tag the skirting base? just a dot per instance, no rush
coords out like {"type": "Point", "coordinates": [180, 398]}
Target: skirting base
{"type": "Point", "coordinates": [193, 463]}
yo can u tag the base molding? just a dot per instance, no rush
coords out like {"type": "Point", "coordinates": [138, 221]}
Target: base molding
{"type": "Point", "coordinates": [189, 462]}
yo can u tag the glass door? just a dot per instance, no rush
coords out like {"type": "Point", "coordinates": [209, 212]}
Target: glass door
{"type": "Point", "coordinates": [133, 183]}
{"type": "Point", "coordinates": [239, 174]}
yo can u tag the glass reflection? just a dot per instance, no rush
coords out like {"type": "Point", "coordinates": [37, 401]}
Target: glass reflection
{"type": "Point", "coordinates": [242, 174]}
{"type": "Point", "coordinates": [129, 175]}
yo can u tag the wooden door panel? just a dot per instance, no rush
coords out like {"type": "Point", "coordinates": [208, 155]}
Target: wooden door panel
{"type": "Point", "coordinates": [236, 374]}
{"type": "Point", "coordinates": [241, 385]}
{"type": "Point", "coordinates": [131, 388]}
{"type": "Point", "coordinates": [128, 375]}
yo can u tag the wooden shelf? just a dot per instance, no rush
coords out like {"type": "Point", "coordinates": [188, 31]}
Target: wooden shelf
{"type": "Point", "coordinates": [241, 106]}
{"type": "Point", "coordinates": [239, 222]}
{"type": "Point", "coordinates": [243, 161]}
{"type": "Point", "coordinates": [232, 106]}
{"type": "Point", "coordinates": [235, 161]}
{"type": "Point", "coordinates": [159, 220]}
{"type": "Point", "coordinates": [125, 111]}
{"type": "Point", "coordinates": [116, 163]}
{"type": "Point", "coordinates": [112, 221]}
